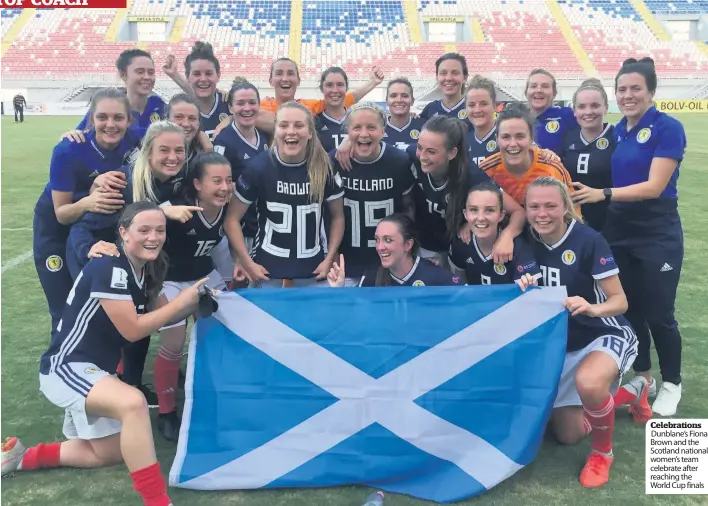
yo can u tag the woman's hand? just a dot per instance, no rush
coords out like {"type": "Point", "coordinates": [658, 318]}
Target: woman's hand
{"type": "Point", "coordinates": [180, 213]}
{"type": "Point", "coordinates": [586, 195]}
{"type": "Point", "coordinates": [503, 250]}
{"type": "Point", "coordinates": [254, 272]}
{"type": "Point", "coordinates": [113, 181]}
{"type": "Point", "coordinates": [103, 248]}
{"type": "Point", "coordinates": [525, 281]}
{"type": "Point", "coordinates": [74, 136]}
{"type": "Point", "coordinates": [102, 201]}
{"type": "Point", "coordinates": [578, 305]}
{"type": "Point", "coordinates": [337, 275]}
{"type": "Point", "coordinates": [344, 154]}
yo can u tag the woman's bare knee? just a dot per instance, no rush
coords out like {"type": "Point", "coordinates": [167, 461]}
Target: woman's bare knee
{"type": "Point", "coordinates": [133, 403]}
{"type": "Point", "coordinates": [568, 426]}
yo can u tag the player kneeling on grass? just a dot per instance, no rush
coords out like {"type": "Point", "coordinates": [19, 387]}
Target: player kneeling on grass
{"type": "Point", "coordinates": [189, 246]}
{"type": "Point", "coordinates": [401, 264]}
{"type": "Point", "coordinates": [601, 344]}
{"type": "Point", "coordinates": [106, 420]}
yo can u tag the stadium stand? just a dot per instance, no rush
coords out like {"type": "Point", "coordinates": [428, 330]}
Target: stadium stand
{"type": "Point", "coordinates": [356, 34]}
{"type": "Point", "coordinates": [8, 17]}
{"type": "Point", "coordinates": [247, 36]}
{"type": "Point", "coordinates": [571, 38]}
{"type": "Point", "coordinates": [610, 32]}
{"type": "Point", "coordinates": [677, 6]}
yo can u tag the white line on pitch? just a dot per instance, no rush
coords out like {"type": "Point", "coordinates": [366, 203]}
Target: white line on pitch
{"type": "Point", "coordinates": [20, 229]}
{"type": "Point", "coordinates": [16, 262]}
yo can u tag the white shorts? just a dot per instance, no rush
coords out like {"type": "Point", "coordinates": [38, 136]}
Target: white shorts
{"type": "Point", "coordinates": [622, 348]}
{"type": "Point", "coordinates": [297, 283]}
{"type": "Point", "coordinates": [223, 261]}
{"type": "Point", "coordinates": [352, 281]}
{"type": "Point", "coordinates": [67, 388]}
{"type": "Point", "coordinates": [171, 289]}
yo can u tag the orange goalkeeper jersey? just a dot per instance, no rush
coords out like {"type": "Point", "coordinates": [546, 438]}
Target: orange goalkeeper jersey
{"type": "Point", "coordinates": [515, 185]}
{"type": "Point", "coordinates": [316, 106]}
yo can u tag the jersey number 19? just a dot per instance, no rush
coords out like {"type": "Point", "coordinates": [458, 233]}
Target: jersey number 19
{"type": "Point", "coordinates": [370, 219]}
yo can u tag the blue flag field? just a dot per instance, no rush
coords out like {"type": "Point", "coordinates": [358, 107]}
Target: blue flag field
{"type": "Point", "coordinates": [439, 393]}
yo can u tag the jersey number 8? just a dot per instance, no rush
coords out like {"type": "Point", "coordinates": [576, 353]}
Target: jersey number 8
{"type": "Point", "coordinates": [286, 225]}
{"type": "Point", "coordinates": [370, 220]}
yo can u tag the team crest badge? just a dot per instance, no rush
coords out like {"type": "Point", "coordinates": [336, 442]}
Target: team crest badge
{"type": "Point", "coordinates": [500, 269]}
{"type": "Point", "coordinates": [54, 263]}
{"type": "Point", "coordinates": [223, 116]}
{"type": "Point", "coordinates": [154, 117]}
{"type": "Point", "coordinates": [643, 135]}
{"type": "Point", "coordinates": [568, 257]}
{"type": "Point", "coordinates": [418, 283]}
{"type": "Point", "coordinates": [221, 231]}
{"type": "Point", "coordinates": [552, 126]}
{"type": "Point", "coordinates": [462, 114]}
{"type": "Point", "coordinates": [90, 370]}
{"type": "Point", "coordinates": [415, 134]}
{"type": "Point", "coordinates": [491, 146]}
{"type": "Point", "coordinates": [602, 143]}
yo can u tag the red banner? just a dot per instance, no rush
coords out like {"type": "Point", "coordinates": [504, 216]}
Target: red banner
{"type": "Point", "coordinates": [64, 4]}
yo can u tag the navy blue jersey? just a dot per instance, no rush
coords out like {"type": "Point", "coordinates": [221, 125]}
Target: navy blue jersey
{"type": "Point", "coordinates": [551, 127]}
{"type": "Point", "coordinates": [404, 136]}
{"type": "Point", "coordinates": [154, 111]}
{"type": "Point", "coordinates": [93, 227]}
{"type": "Point", "coordinates": [288, 241]}
{"type": "Point", "coordinates": [436, 107]}
{"type": "Point", "coordinates": [330, 131]}
{"type": "Point", "coordinates": [479, 149]}
{"type": "Point", "coordinates": [423, 273]}
{"type": "Point", "coordinates": [237, 149]}
{"type": "Point", "coordinates": [209, 121]}
{"type": "Point", "coordinates": [372, 191]}
{"type": "Point", "coordinates": [590, 163]}
{"type": "Point", "coordinates": [431, 202]}
{"type": "Point", "coordinates": [85, 333]}
{"type": "Point", "coordinates": [480, 269]}
{"type": "Point", "coordinates": [75, 166]}
{"type": "Point", "coordinates": [189, 244]}
{"type": "Point", "coordinates": [579, 261]}
{"type": "Point", "coordinates": [656, 135]}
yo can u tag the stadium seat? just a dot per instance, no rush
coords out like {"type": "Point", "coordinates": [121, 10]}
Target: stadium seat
{"type": "Point", "coordinates": [7, 17]}
{"type": "Point", "coordinates": [678, 6]}
{"type": "Point", "coordinates": [611, 32]}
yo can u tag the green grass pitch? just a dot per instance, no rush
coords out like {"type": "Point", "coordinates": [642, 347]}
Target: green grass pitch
{"type": "Point", "coordinates": [551, 480]}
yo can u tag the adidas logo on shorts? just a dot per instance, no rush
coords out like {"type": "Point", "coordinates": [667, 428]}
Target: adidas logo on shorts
{"type": "Point", "coordinates": [666, 268]}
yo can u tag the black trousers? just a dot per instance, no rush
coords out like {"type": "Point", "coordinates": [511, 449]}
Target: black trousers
{"type": "Point", "coordinates": [21, 111]}
{"type": "Point", "coordinates": [650, 277]}
{"type": "Point", "coordinates": [134, 355]}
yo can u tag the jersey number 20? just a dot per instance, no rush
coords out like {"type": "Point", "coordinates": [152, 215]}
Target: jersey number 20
{"type": "Point", "coordinates": [286, 225]}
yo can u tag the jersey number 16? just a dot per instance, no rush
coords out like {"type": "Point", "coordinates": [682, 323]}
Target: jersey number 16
{"type": "Point", "coordinates": [204, 248]}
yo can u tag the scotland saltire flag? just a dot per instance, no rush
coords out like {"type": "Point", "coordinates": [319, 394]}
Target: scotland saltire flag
{"type": "Point", "coordinates": [440, 393]}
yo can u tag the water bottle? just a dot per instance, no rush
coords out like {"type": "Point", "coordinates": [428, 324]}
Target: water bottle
{"type": "Point", "coordinates": [375, 499]}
